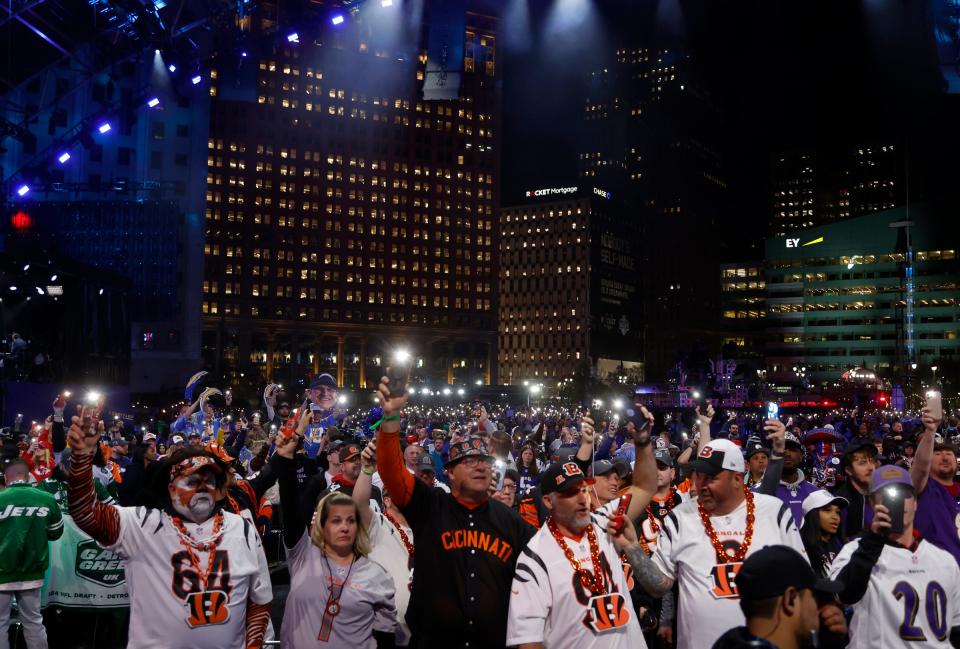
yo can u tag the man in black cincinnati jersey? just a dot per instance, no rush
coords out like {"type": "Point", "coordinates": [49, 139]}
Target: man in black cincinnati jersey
{"type": "Point", "coordinates": [466, 544]}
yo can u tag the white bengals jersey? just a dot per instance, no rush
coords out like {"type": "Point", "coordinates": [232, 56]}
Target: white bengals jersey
{"type": "Point", "coordinates": [651, 521]}
{"type": "Point", "coordinates": [709, 603]}
{"type": "Point", "coordinates": [168, 604]}
{"type": "Point", "coordinates": [549, 605]}
{"type": "Point", "coordinates": [912, 598]}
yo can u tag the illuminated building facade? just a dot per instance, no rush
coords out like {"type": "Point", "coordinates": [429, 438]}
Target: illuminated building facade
{"type": "Point", "coordinates": [743, 310]}
{"type": "Point", "coordinates": [836, 296]}
{"type": "Point", "coordinates": [569, 288]}
{"type": "Point", "coordinates": [347, 216]}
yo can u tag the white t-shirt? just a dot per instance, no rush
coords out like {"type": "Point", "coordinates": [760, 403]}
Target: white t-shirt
{"type": "Point", "coordinates": [549, 605]}
{"type": "Point", "coordinates": [388, 550]}
{"type": "Point", "coordinates": [912, 598]}
{"type": "Point", "coordinates": [708, 604]}
{"type": "Point", "coordinates": [169, 607]}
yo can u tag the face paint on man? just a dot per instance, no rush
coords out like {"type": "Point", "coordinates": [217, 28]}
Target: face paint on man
{"type": "Point", "coordinates": [194, 496]}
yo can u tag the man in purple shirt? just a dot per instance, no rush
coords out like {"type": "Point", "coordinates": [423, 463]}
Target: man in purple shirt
{"type": "Point", "coordinates": [794, 486]}
{"type": "Point", "coordinates": [937, 512]}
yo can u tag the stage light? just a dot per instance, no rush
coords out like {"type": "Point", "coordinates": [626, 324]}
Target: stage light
{"type": "Point", "coordinates": [460, 391]}
{"type": "Point", "coordinates": [243, 54]}
{"type": "Point", "coordinates": [26, 267]}
{"type": "Point", "coordinates": [293, 38]}
{"type": "Point", "coordinates": [195, 80]}
{"type": "Point", "coordinates": [101, 292]}
{"type": "Point", "coordinates": [337, 20]}
{"type": "Point", "coordinates": [39, 290]}
{"type": "Point", "coordinates": [172, 67]}
{"type": "Point", "coordinates": [153, 103]}
{"type": "Point", "coordinates": [446, 391]}
{"type": "Point", "coordinates": [342, 399]}
{"type": "Point", "coordinates": [53, 278]}
{"type": "Point", "coordinates": [13, 289]}
{"type": "Point", "coordinates": [386, 3]}
{"type": "Point", "coordinates": [63, 157]}
{"type": "Point", "coordinates": [104, 128]}
{"type": "Point", "coordinates": [157, 52]}
{"type": "Point", "coordinates": [55, 290]}
{"type": "Point", "coordinates": [479, 382]}
{"type": "Point", "coordinates": [23, 190]}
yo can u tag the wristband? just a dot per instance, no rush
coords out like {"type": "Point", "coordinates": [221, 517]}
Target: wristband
{"type": "Point", "coordinates": [365, 472]}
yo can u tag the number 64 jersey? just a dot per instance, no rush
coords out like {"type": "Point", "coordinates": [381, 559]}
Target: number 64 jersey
{"type": "Point", "coordinates": [912, 598]}
{"type": "Point", "coordinates": [170, 607]}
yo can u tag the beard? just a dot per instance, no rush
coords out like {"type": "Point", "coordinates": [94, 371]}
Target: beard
{"type": "Point", "coordinates": [199, 509]}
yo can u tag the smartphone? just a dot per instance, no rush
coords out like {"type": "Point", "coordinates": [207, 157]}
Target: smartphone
{"type": "Point", "coordinates": [773, 410]}
{"type": "Point", "coordinates": [624, 504]}
{"type": "Point", "coordinates": [892, 498]}
{"type": "Point", "coordinates": [935, 403]}
{"type": "Point", "coordinates": [399, 374]}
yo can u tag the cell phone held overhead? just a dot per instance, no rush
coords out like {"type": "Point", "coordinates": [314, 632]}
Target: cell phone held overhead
{"type": "Point", "coordinates": [893, 497]}
{"type": "Point", "coordinates": [935, 404]}
{"type": "Point", "coordinates": [399, 372]}
{"type": "Point", "coordinates": [773, 410]}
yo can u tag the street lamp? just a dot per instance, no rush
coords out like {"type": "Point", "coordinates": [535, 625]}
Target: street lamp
{"type": "Point", "coordinates": [934, 368]}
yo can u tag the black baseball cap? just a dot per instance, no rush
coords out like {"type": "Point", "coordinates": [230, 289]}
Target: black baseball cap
{"type": "Point", "coordinates": [858, 447]}
{"type": "Point", "coordinates": [602, 467]}
{"type": "Point", "coordinates": [562, 476]}
{"type": "Point", "coordinates": [754, 448]}
{"type": "Point", "coordinates": [768, 572]}
{"type": "Point", "coordinates": [662, 456]}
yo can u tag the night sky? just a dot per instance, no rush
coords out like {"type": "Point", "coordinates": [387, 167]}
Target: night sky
{"type": "Point", "coordinates": [785, 74]}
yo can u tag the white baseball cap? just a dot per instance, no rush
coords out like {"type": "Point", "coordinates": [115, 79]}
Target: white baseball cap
{"type": "Point", "coordinates": [820, 498]}
{"type": "Point", "coordinates": [717, 456]}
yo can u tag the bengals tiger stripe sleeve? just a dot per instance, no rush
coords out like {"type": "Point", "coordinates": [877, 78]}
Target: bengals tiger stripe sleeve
{"type": "Point", "coordinates": [100, 521]}
{"type": "Point", "coordinates": [257, 617]}
{"type": "Point", "coordinates": [393, 472]}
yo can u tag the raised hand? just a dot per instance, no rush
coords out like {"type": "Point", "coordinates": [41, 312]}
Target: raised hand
{"type": "Point", "coordinates": [84, 433]}
{"type": "Point", "coordinates": [391, 405]}
{"type": "Point", "coordinates": [588, 435]}
{"type": "Point", "coordinates": [368, 456]}
{"type": "Point", "coordinates": [777, 434]}
{"type": "Point", "coordinates": [287, 446]}
{"type": "Point", "coordinates": [642, 436]}
{"type": "Point", "coordinates": [623, 535]}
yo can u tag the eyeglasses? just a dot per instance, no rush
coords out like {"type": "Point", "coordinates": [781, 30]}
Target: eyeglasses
{"type": "Point", "coordinates": [509, 487]}
{"type": "Point", "coordinates": [474, 460]}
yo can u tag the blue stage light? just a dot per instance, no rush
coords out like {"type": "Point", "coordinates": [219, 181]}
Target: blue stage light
{"type": "Point", "coordinates": [153, 103]}
{"type": "Point", "coordinates": [337, 19]}
{"type": "Point", "coordinates": [64, 157]}
{"type": "Point", "coordinates": [104, 128]}
{"type": "Point", "coordinates": [23, 190]}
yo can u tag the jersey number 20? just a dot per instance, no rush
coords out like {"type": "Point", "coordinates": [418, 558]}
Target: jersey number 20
{"type": "Point", "coordinates": [935, 604]}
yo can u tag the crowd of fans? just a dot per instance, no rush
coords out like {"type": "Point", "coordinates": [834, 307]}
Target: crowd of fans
{"type": "Point", "coordinates": [480, 525]}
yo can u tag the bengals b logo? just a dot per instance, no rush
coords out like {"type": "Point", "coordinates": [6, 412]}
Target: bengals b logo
{"type": "Point", "coordinates": [724, 578]}
{"type": "Point", "coordinates": [207, 608]}
{"type": "Point", "coordinates": [606, 612]}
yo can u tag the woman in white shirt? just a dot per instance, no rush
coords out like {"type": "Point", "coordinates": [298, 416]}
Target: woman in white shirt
{"type": "Point", "coordinates": [338, 596]}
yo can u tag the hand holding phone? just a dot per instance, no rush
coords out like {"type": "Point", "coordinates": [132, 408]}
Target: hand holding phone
{"type": "Point", "coordinates": [935, 404]}
{"type": "Point", "coordinates": [618, 520]}
{"type": "Point", "coordinates": [399, 374]}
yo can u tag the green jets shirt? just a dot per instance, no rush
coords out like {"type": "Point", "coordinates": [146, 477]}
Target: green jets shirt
{"type": "Point", "coordinates": [58, 489]}
{"type": "Point", "coordinates": [29, 520]}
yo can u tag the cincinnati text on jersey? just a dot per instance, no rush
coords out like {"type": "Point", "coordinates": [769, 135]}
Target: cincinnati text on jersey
{"type": "Point", "coordinates": [457, 539]}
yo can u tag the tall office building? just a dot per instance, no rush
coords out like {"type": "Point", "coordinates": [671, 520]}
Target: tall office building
{"type": "Point", "coordinates": [569, 288]}
{"type": "Point", "coordinates": [652, 138]}
{"type": "Point", "coordinates": [347, 215]}
{"type": "Point", "coordinates": [815, 186]}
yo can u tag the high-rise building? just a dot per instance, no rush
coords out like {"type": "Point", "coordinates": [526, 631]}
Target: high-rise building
{"type": "Point", "coordinates": [652, 133]}
{"type": "Point", "coordinates": [347, 215]}
{"type": "Point", "coordinates": [109, 179]}
{"type": "Point", "coordinates": [815, 186]}
{"type": "Point", "coordinates": [569, 288]}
